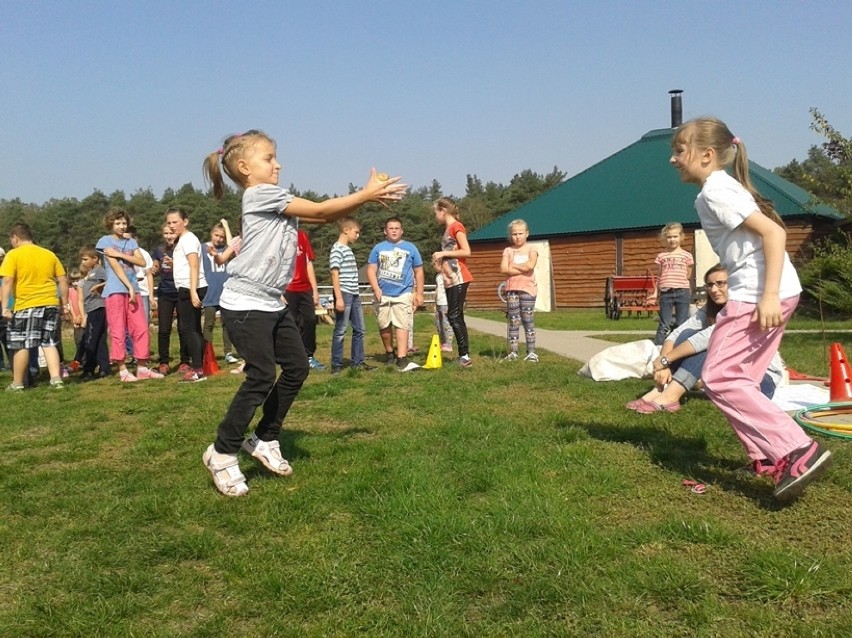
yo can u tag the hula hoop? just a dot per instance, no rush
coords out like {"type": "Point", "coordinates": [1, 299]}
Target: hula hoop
{"type": "Point", "coordinates": [807, 418]}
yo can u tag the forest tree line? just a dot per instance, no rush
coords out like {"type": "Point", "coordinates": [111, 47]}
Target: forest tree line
{"type": "Point", "coordinates": [66, 225]}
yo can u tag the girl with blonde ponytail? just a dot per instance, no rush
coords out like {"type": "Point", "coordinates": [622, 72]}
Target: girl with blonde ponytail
{"type": "Point", "coordinates": [763, 291]}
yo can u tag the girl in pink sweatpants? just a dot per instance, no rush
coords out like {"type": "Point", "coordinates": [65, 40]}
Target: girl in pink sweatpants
{"type": "Point", "coordinates": [763, 290]}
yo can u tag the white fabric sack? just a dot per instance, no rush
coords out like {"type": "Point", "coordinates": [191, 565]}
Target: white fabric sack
{"type": "Point", "coordinates": [622, 361]}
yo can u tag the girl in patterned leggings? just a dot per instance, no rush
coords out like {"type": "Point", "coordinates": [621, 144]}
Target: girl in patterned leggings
{"type": "Point", "coordinates": [518, 265]}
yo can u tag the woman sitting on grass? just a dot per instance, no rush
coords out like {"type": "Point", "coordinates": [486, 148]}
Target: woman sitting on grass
{"type": "Point", "coordinates": [678, 368]}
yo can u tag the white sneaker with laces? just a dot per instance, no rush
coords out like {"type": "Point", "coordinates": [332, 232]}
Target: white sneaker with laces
{"type": "Point", "coordinates": [225, 469]}
{"type": "Point", "coordinates": [512, 356]}
{"type": "Point", "coordinates": [268, 453]}
{"type": "Point", "coordinates": [229, 358]}
{"type": "Point", "coordinates": [532, 357]}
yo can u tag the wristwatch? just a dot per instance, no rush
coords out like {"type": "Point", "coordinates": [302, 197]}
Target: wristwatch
{"type": "Point", "coordinates": [664, 362]}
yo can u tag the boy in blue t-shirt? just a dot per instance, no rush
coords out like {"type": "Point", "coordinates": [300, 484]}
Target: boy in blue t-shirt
{"type": "Point", "coordinates": [395, 273]}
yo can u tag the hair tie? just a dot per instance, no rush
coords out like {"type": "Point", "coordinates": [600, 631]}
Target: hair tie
{"type": "Point", "coordinates": [735, 141]}
{"type": "Point", "coordinates": [220, 150]}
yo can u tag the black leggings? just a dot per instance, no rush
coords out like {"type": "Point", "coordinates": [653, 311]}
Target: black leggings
{"type": "Point", "coordinates": [455, 315]}
{"type": "Point", "coordinates": [189, 326]}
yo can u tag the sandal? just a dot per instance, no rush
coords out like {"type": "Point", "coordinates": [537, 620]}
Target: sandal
{"type": "Point", "coordinates": [226, 473]}
{"type": "Point", "coordinates": [649, 407]}
{"type": "Point", "coordinates": [635, 403]}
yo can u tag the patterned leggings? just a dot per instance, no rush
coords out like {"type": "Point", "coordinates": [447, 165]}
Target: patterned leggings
{"type": "Point", "coordinates": [520, 311]}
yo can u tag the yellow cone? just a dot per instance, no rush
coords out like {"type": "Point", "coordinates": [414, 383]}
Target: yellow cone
{"type": "Point", "coordinates": [433, 361]}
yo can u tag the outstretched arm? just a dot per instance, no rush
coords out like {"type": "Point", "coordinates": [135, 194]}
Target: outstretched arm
{"type": "Point", "coordinates": [376, 190]}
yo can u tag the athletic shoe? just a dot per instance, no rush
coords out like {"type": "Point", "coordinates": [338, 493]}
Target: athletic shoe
{"type": "Point", "coordinates": [147, 373]}
{"type": "Point", "coordinates": [63, 372]}
{"type": "Point", "coordinates": [239, 369]}
{"type": "Point", "coordinates": [335, 370]}
{"type": "Point", "coordinates": [512, 356]}
{"type": "Point", "coordinates": [446, 348]}
{"type": "Point", "coordinates": [268, 453]}
{"type": "Point", "coordinates": [465, 361]}
{"type": "Point", "coordinates": [75, 365]}
{"type": "Point", "coordinates": [315, 365]}
{"type": "Point", "coordinates": [404, 365]}
{"type": "Point", "coordinates": [14, 388]}
{"type": "Point", "coordinates": [183, 368]}
{"type": "Point", "coordinates": [163, 369]}
{"type": "Point", "coordinates": [363, 367]}
{"type": "Point", "coordinates": [799, 468]}
{"type": "Point", "coordinates": [56, 384]}
{"type": "Point", "coordinates": [193, 376]}
{"type": "Point", "coordinates": [532, 357]}
{"type": "Point", "coordinates": [225, 469]}
{"type": "Point", "coordinates": [126, 377]}
{"type": "Point", "coordinates": [229, 358]}
{"type": "Point", "coordinates": [390, 358]}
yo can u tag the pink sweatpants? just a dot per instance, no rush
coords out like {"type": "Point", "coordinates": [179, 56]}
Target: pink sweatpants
{"type": "Point", "coordinates": [737, 358]}
{"type": "Point", "coordinates": [123, 317]}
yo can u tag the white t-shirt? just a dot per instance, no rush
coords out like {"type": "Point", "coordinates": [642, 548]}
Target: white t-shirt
{"type": "Point", "coordinates": [722, 206]}
{"type": "Point", "coordinates": [141, 278]}
{"type": "Point", "coordinates": [187, 244]}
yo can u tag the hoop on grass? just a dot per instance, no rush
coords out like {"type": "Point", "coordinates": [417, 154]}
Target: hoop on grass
{"type": "Point", "coordinates": [831, 419]}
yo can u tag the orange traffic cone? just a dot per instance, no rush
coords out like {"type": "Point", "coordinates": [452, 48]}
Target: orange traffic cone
{"type": "Point", "coordinates": [433, 359]}
{"type": "Point", "coordinates": [210, 365]}
{"type": "Point", "coordinates": [841, 375]}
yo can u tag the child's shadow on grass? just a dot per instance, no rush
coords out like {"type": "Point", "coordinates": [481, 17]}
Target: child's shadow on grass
{"type": "Point", "coordinates": [686, 456]}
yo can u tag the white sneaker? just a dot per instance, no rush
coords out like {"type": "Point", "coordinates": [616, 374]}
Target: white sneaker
{"type": "Point", "coordinates": [225, 469]}
{"type": "Point", "coordinates": [532, 357]}
{"type": "Point", "coordinates": [229, 358]}
{"type": "Point", "coordinates": [512, 356]}
{"type": "Point", "coordinates": [268, 453]}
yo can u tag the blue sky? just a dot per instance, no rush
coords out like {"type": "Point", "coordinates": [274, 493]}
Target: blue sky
{"type": "Point", "coordinates": [120, 95]}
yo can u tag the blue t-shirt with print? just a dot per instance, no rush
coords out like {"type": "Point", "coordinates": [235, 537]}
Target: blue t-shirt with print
{"type": "Point", "coordinates": [395, 264]}
{"type": "Point", "coordinates": [113, 283]}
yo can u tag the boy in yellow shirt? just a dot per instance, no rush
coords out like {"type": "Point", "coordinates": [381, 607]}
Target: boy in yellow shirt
{"type": "Point", "coordinates": [32, 274]}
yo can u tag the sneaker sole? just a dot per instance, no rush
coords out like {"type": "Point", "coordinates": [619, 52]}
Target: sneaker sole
{"type": "Point", "coordinates": [796, 488]}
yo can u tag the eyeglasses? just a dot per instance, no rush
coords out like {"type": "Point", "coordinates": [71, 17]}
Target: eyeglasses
{"type": "Point", "coordinates": [717, 284]}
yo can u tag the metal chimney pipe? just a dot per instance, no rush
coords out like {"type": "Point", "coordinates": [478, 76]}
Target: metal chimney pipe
{"type": "Point", "coordinates": [677, 108]}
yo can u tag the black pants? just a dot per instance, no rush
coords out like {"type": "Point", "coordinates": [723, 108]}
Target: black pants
{"type": "Point", "coordinates": [166, 309]}
{"type": "Point", "coordinates": [265, 340]}
{"type": "Point", "coordinates": [301, 305]}
{"type": "Point", "coordinates": [189, 326]}
{"type": "Point", "coordinates": [95, 351]}
{"type": "Point", "coordinates": [455, 316]}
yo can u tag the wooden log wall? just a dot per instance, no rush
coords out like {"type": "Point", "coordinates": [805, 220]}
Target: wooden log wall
{"type": "Point", "coordinates": [582, 263]}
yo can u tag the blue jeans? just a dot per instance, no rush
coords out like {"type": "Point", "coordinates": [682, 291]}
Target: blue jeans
{"type": "Point", "coordinates": [352, 315]}
{"type": "Point", "coordinates": [672, 300]}
{"type": "Point", "coordinates": [687, 371]}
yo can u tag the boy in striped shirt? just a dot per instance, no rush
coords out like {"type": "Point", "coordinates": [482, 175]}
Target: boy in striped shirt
{"type": "Point", "coordinates": [347, 303]}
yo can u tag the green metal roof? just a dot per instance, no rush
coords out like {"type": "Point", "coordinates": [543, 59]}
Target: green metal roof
{"type": "Point", "coordinates": [636, 188]}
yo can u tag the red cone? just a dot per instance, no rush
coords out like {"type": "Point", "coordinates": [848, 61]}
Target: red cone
{"type": "Point", "coordinates": [841, 375]}
{"type": "Point", "coordinates": [210, 365]}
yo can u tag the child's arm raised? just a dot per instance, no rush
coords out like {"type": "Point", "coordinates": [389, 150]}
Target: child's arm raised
{"type": "Point", "coordinates": [376, 190]}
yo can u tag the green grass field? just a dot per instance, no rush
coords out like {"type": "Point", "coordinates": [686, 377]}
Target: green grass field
{"type": "Point", "coordinates": [509, 499]}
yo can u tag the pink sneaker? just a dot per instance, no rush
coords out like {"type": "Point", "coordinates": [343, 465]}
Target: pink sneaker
{"type": "Point", "coordinates": [126, 377]}
{"type": "Point", "coordinates": [147, 373]}
{"type": "Point", "coordinates": [446, 348]}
